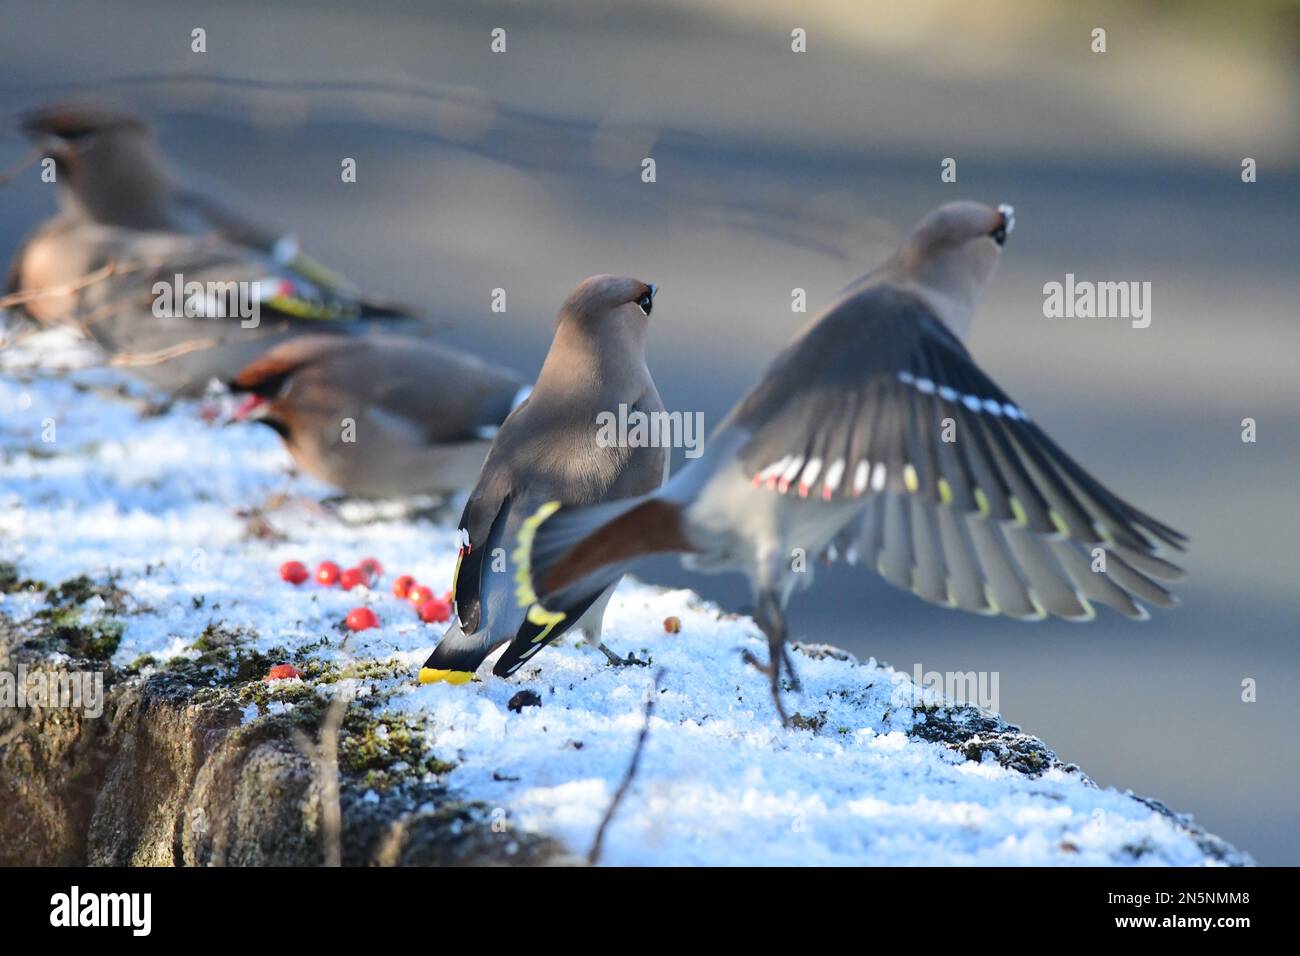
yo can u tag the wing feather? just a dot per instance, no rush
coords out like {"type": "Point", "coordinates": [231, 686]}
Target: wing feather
{"type": "Point", "coordinates": [964, 499]}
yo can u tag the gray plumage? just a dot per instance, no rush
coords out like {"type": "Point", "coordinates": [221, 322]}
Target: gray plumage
{"type": "Point", "coordinates": [126, 223]}
{"type": "Point", "coordinates": [549, 450]}
{"type": "Point", "coordinates": [380, 415]}
{"type": "Point", "coordinates": [841, 450]}
{"type": "Point", "coordinates": [111, 172]}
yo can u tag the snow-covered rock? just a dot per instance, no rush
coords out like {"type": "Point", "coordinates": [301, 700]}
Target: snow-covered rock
{"type": "Point", "coordinates": [179, 526]}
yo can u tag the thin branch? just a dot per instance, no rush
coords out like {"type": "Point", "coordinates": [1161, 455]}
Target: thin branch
{"type": "Point", "coordinates": [598, 844]}
{"type": "Point", "coordinates": [66, 288]}
{"type": "Point", "coordinates": [197, 253]}
{"type": "Point", "coordinates": [325, 761]}
{"type": "Point", "coordinates": [7, 175]}
{"type": "Point", "coordinates": [158, 356]}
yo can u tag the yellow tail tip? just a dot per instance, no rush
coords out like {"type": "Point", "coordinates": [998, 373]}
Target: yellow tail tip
{"type": "Point", "coordinates": [431, 675]}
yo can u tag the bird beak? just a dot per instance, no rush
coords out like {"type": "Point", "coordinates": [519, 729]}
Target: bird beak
{"type": "Point", "coordinates": [250, 409]}
{"type": "Point", "coordinates": [1006, 225]}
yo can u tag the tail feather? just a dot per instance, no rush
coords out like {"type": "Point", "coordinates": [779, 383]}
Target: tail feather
{"type": "Point", "coordinates": [457, 656]}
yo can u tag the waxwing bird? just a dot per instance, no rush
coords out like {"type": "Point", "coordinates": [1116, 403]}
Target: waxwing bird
{"type": "Point", "coordinates": [380, 415]}
{"type": "Point", "coordinates": [550, 450]}
{"type": "Point", "coordinates": [874, 435]}
{"type": "Point", "coordinates": [110, 171]}
{"type": "Point", "coordinates": [175, 310]}
{"type": "Point", "coordinates": [126, 226]}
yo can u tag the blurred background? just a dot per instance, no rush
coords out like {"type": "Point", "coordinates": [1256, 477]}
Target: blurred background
{"type": "Point", "coordinates": [778, 170]}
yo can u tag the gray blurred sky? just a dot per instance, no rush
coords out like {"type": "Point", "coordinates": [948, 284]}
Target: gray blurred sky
{"type": "Point", "coordinates": [778, 170]}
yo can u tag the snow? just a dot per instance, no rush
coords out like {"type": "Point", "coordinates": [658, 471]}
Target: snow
{"type": "Point", "coordinates": [152, 500]}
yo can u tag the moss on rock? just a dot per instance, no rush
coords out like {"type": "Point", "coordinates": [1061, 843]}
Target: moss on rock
{"type": "Point", "coordinates": [177, 772]}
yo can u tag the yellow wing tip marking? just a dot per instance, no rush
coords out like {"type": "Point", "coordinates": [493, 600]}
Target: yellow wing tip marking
{"type": "Point", "coordinates": [432, 675]}
{"type": "Point", "coordinates": [1062, 528]}
{"type": "Point", "coordinates": [1040, 612]}
{"type": "Point", "coordinates": [524, 592]}
{"type": "Point", "coordinates": [315, 271]}
{"type": "Point", "coordinates": [910, 480]}
{"type": "Point", "coordinates": [945, 491]}
{"type": "Point", "coordinates": [1088, 613]}
{"type": "Point", "coordinates": [525, 595]}
{"type": "Point", "coordinates": [455, 574]}
{"type": "Point", "coordinates": [544, 619]}
{"type": "Point", "coordinates": [982, 503]}
{"type": "Point", "coordinates": [302, 309]}
{"type": "Point", "coordinates": [1018, 512]}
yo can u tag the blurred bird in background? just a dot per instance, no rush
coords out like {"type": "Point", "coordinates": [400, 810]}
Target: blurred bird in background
{"type": "Point", "coordinates": [127, 224]}
{"type": "Point", "coordinates": [380, 415]}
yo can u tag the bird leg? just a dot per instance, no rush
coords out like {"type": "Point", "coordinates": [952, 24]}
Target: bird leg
{"type": "Point", "coordinates": [616, 661]}
{"type": "Point", "coordinates": [771, 620]}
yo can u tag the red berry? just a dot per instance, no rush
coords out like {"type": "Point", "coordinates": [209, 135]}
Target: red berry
{"type": "Point", "coordinates": [352, 577]}
{"type": "Point", "coordinates": [435, 611]}
{"type": "Point", "coordinates": [282, 672]}
{"type": "Point", "coordinates": [361, 618]}
{"type": "Point", "coordinates": [327, 573]}
{"type": "Point", "coordinates": [450, 596]}
{"type": "Point", "coordinates": [372, 568]}
{"type": "Point", "coordinates": [402, 586]}
{"type": "Point", "coordinates": [295, 572]}
{"type": "Point", "coordinates": [419, 594]}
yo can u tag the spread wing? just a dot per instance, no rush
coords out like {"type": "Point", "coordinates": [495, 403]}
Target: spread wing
{"type": "Point", "coordinates": [963, 498]}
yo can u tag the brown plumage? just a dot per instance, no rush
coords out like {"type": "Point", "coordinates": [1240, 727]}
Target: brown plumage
{"type": "Point", "coordinates": [379, 415]}
{"type": "Point", "coordinates": [550, 450]}
{"type": "Point", "coordinates": [127, 223]}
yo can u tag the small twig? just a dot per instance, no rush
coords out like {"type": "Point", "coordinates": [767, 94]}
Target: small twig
{"type": "Point", "coordinates": [200, 248]}
{"type": "Point", "coordinates": [594, 855]}
{"type": "Point", "coordinates": [66, 288]}
{"type": "Point", "coordinates": [158, 356]}
{"type": "Point", "coordinates": [325, 760]}
{"type": "Point", "coordinates": [7, 176]}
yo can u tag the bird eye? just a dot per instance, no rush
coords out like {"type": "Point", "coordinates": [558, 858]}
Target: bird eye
{"type": "Point", "coordinates": [73, 134]}
{"type": "Point", "coordinates": [645, 303]}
